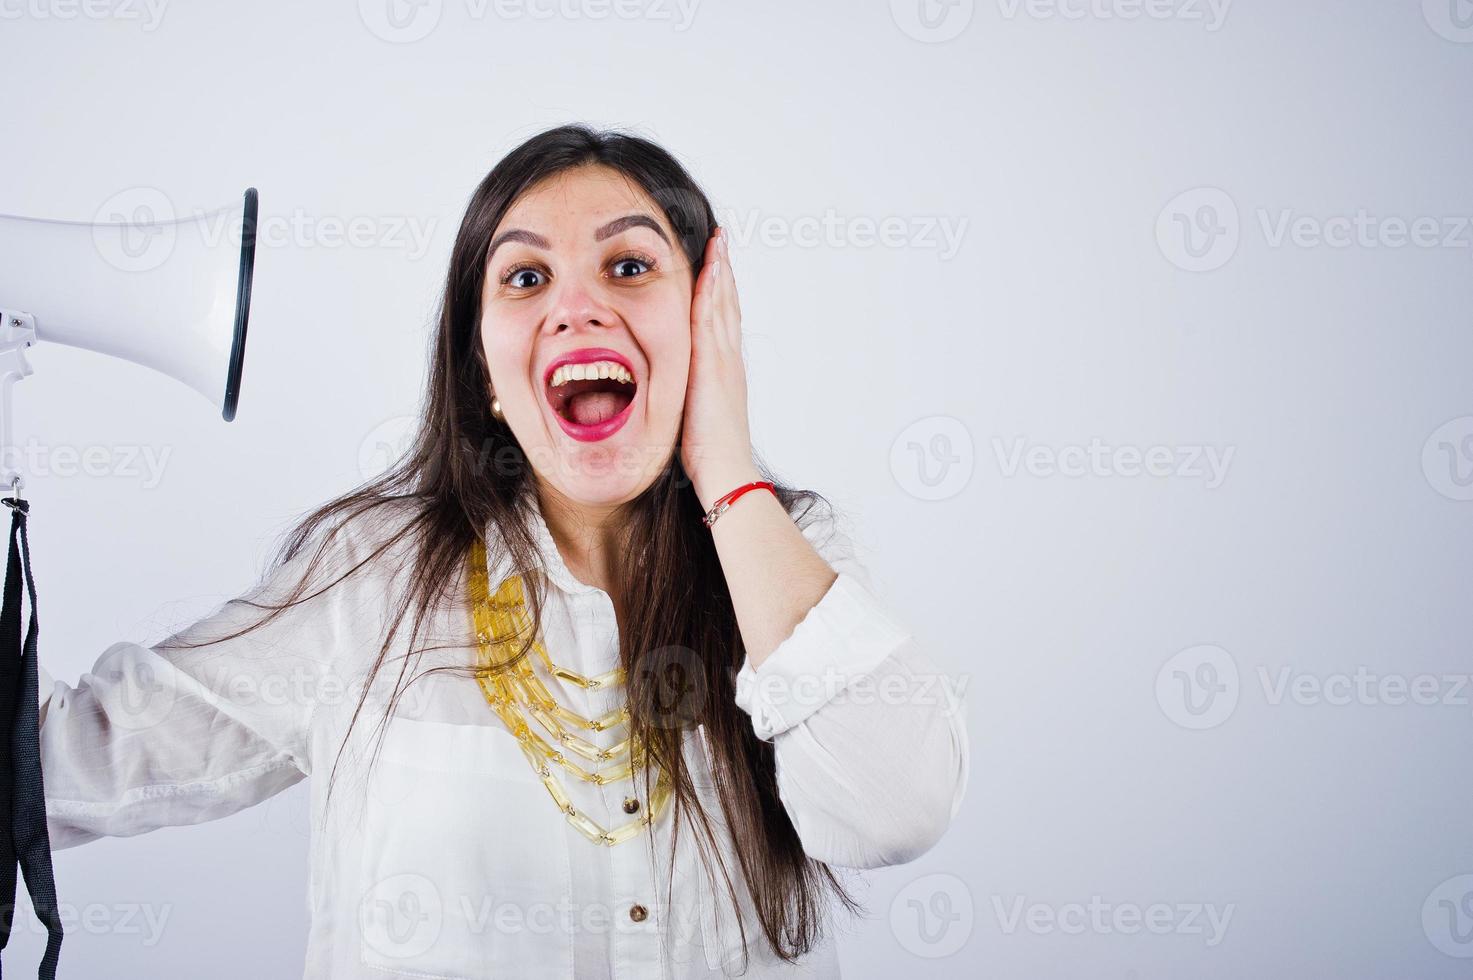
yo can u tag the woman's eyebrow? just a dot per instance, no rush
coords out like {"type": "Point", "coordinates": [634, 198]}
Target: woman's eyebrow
{"type": "Point", "coordinates": [517, 235]}
{"type": "Point", "coordinates": [607, 231]}
{"type": "Point", "coordinates": [630, 221]}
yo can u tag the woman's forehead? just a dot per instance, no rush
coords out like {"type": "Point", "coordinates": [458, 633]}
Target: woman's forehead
{"type": "Point", "coordinates": [579, 200]}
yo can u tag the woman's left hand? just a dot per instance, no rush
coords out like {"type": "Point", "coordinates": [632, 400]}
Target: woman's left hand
{"type": "Point", "coordinates": [715, 442]}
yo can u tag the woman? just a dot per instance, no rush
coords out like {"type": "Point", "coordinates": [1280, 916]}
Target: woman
{"type": "Point", "coordinates": [607, 725]}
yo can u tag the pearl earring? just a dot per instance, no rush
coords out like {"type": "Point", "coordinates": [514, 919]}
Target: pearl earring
{"type": "Point", "coordinates": [496, 408]}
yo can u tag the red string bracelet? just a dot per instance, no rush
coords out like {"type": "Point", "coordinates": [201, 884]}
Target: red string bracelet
{"type": "Point", "coordinates": [724, 502]}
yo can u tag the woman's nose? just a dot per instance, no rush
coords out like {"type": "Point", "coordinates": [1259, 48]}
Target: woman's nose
{"type": "Point", "coordinates": [578, 305]}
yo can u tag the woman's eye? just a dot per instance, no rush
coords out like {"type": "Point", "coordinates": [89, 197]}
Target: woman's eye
{"type": "Point", "coordinates": [524, 278]}
{"type": "Point", "coordinates": [625, 268]}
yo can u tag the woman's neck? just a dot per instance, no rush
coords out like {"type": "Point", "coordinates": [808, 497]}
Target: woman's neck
{"type": "Point", "coordinates": [586, 536]}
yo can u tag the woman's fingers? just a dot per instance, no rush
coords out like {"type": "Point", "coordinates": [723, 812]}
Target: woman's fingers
{"type": "Point", "coordinates": [712, 289]}
{"type": "Point", "coordinates": [715, 309]}
{"type": "Point", "coordinates": [726, 315]}
{"type": "Point", "coordinates": [732, 305]}
{"type": "Point", "coordinates": [703, 307]}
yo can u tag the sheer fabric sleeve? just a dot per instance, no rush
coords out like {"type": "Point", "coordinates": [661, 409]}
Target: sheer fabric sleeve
{"type": "Point", "coordinates": [869, 733]}
{"type": "Point", "coordinates": [153, 736]}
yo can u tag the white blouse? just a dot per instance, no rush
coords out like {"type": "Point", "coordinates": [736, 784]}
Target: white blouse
{"type": "Point", "coordinates": [447, 858]}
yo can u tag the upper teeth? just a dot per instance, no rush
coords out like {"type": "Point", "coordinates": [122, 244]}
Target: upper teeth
{"type": "Point", "coordinates": [589, 371]}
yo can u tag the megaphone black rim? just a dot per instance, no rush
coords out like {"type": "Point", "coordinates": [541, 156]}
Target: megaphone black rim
{"type": "Point", "coordinates": [242, 302]}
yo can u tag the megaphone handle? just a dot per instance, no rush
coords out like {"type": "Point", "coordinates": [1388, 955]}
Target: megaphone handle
{"type": "Point", "coordinates": [10, 477]}
{"type": "Point", "coordinates": [28, 845]}
{"type": "Point", "coordinates": [17, 332]}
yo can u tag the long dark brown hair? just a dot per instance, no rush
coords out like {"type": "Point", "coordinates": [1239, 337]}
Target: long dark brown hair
{"type": "Point", "coordinates": [465, 472]}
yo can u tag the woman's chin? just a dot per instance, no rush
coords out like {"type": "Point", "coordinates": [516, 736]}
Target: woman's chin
{"type": "Point", "coordinates": [608, 463]}
{"type": "Point", "coordinates": [610, 471]}
{"type": "Point", "coordinates": [588, 490]}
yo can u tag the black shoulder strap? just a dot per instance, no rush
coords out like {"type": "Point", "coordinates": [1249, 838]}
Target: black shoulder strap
{"type": "Point", "coordinates": [23, 836]}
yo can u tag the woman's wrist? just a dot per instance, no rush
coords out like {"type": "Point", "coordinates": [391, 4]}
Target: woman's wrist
{"type": "Point", "coordinates": [710, 488]}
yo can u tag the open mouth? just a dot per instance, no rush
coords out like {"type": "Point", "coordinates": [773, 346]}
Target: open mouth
{"type": "Point", "coordinates": [591, 399]}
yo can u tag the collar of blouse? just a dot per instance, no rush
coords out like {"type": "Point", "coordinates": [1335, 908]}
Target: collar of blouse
{"type": "Point", "coordinates": [552, 559]}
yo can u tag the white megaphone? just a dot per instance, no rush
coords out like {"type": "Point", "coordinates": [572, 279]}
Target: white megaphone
{"type": "Point", "coordinates": [172, 294]}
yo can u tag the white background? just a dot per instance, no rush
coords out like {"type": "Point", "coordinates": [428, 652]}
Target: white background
{"type": "Point", "coordinates": [1060, 139]}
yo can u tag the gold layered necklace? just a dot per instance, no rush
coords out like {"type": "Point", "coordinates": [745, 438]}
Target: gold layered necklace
{"type": "Point", "coordinates": [519, 698]}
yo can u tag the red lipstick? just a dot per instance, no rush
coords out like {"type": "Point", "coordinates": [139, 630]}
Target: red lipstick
{"type": "Point", "coordinates": [599, 430]}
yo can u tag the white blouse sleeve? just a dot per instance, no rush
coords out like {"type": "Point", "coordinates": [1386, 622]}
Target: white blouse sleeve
{"type": "Point", "coordinates": [154, 737]}
{"type": "Point", "coordinates": [869, 735]}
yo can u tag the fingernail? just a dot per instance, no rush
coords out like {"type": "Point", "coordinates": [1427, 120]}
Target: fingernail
{"type": "Point", "coordinates": [715, 266]}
